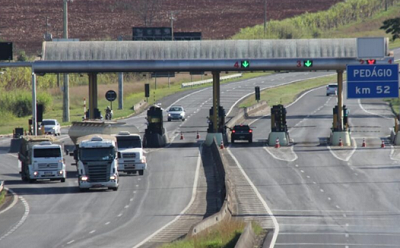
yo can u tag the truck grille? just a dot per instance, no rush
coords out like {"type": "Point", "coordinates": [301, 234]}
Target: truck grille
{"type": "Point", "coordinates": [98, 171]}
{"type": "Point", "coordinates": [129, 155]}
{"type": "Point", "coordinates": [48, 166]}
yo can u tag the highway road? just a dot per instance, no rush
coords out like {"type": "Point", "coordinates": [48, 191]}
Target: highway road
{"type": "Point", "coordinates": [324, 196]}
{"type": "Point", "coordinates": [52, 214]}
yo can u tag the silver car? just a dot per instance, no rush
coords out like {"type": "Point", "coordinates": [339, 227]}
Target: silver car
{"type": "Point", "coordinates": [176, 113]}
{"type": "Point", "coordinates": [51, 126]}
{"type": "Point", "coordinates": [331, 89]}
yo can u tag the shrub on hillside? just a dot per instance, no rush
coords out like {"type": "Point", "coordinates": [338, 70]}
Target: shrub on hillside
{"type": "Point", "coordinates": [19, 103]}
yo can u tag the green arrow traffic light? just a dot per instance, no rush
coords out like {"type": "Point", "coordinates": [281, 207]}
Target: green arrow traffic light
{"type": "Point", "coordinates": [308, 63]}
{"type": "Point", "coordinates": [245, 64]}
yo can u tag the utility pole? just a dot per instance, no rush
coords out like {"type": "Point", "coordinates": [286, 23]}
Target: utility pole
{"type": "Point", "coordinates": [66, 78]}
{"type": "Point", "coordinates": [265, 17]}
{"type": "Point", "coordinates": [386, 5]}
{"type": "Point", "coordinates": [172, 19]}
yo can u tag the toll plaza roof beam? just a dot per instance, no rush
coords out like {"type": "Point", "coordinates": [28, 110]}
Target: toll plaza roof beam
{"type": "Point", "coordinates": [295, 64]}
{"type": "Point", "coordinates": [15, 64]}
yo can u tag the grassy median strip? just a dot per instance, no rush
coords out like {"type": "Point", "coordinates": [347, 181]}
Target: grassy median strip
{"type": "Point", "coordinates": [225, 234]}
{"type": "Point", "coordinates": [288, 93]}
{"type": "Point", "coordinates": [2, 196]}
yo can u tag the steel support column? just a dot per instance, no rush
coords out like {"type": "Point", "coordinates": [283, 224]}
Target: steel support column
{"type": "Point", "coordinates": [92, 94]}
{"type": "Point", "coordinates": [34, 123]}
{"type": "Point", "coordinates": [216, 100]}
{"type": "Point", "coordinates": [120, 90]}
{"type": "Point", "coordinates": [340, 98]}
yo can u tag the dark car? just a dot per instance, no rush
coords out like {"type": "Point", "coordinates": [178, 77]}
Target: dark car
{"type": "Point", "coordinates": [241, 132]}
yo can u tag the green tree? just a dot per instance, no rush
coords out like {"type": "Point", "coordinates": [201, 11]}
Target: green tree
{"type": "Point", "coordinates": [392, 26]}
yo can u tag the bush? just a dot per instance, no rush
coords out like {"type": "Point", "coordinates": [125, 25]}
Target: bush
{"type": "Point", "coordinates": [19, 103]}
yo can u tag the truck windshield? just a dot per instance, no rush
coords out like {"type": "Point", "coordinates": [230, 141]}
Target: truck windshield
{"type": "Point", "coordinates": [98, 154]}
{"type": "Point", "coordinates": [128, 142]}
{"type": "Point", "coordinates": [47, 153]}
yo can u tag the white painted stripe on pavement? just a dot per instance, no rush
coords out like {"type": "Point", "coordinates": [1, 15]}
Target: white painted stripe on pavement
{"type": "Point", "coordinates": [24, 217]}
{"type": "Point", "coordinates": [15, 200]}
{"type": "Point", "coordinates": [184, 210]}
{"type": "Point", "coordinates": [276, 225]}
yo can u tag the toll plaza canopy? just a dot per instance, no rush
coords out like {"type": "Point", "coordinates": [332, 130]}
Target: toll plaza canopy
{"type": "Point", "coordinates": [205, 49]}
{"type": "Point", "coordinates": [205, 55]}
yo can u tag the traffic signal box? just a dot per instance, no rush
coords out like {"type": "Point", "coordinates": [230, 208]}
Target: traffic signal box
{"type": "Point", "coordinates": [257, 93]}
{"type": "Point", "coordinates": [278, 118]}
{"type": "Point", "coordinates": [336, 119]}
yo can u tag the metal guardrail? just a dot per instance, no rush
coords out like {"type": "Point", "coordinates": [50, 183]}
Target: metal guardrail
{"type": "Point", "coordinates": [184, 85]}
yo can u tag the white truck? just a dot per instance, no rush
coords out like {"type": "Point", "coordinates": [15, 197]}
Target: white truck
{"type": "Point", "coordinates": [96, 160]}
{"type": "Point", "coordinates": [40, 157]}
{"type": "Point", "coordinates": [131, 157]}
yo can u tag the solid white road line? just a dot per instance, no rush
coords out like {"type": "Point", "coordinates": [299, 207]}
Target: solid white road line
{"type": "Point", "coordinates": [275, 222]}
{"type": "Point", "coordinates": [184, 210]}
{"type": "Point", "coordinates": [24, 217]}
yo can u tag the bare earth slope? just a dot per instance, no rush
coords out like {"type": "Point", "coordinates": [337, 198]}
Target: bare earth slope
{"type": "Point", "coordinates": [23, 21]}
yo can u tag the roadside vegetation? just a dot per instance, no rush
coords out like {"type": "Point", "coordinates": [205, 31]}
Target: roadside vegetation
{"type": "Point", "coordinates": [2, 197]}
{"type": "Point", "coordinates": [349, 19]}
{"type": "Point", "coordinates": [225, 234]}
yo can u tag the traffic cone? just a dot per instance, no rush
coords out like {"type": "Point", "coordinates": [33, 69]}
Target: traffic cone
{"type": "Point", "coordinates": [198, 135]}
{"type": "Point", "coordinates": [222, 145]}
{"type": "Point", "coordinates": [181, 136]}
{"type": "Point", "coordinates": [277, 144]}
{"type": "Point", "coordinates": [364, 144]}
{"type": "Point", "coordinates": [383, 144]}
{"type": "Point", "coordinates": [340, 141]}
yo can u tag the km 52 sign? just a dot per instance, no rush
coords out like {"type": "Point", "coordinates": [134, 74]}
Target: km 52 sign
{"type": "Point", "coordinates": [373, 81]}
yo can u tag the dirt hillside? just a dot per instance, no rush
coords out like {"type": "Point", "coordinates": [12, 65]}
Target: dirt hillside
{"type": "Point", "coordinates": [24, 21]}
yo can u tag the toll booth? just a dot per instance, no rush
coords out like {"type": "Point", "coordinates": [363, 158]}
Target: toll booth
{"type": "Point", "coordinates": [221, 121]}
{"type": "Point", "coordinates": [155, 132]}
{"type": "Point", "coordinates": [336, 122]}
{"type": "Point", "coordinates": [279, 131]}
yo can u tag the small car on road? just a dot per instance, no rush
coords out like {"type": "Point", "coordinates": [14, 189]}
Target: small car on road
{"type": "Point", "coordinates": [176, 112]}
{"type": "Point", "coordinates": [51, 126]}
{"type": "Point", "coordinates": [241, 132]}
{"type": "Point", "coordinates": [331, 89]}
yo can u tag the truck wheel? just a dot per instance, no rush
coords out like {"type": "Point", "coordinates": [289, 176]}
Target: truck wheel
{"type": "Point", "coordinates": [251, 140]}
{"type": "Point", "coordinates": [115, 189]}
{"type": "Point", "coordinates": [63, 180]}
{"type": "Point", "coordinates": [232, 141]}
{"type": "Point", "coordinates": [32, 180]}
{"type": "Point", "coordinates": [169, 119]}
{"type": "Point", "coordinates": [141, 172]}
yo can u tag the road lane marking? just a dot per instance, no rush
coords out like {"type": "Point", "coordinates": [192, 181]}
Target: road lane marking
{"type": "Point", "coordinates": [321, 190]}
{"type": "Point", "coordinates": [334, 244]}
{"type": "Point", "coordinates": [194, 191]}
{"type": "Point", "coordinates": [126, 206]}
{"type": "Point", "coordinates": [15, 200]}
{"type": "Point", "coordinates": [275, 222]}
{"type": "Point", "coordinates": [93, 231]}
{"type": "Point", "coordinates": [24, 217]}
{"type": "Point", "coordinates": [119, 215]}
{"type": "Point", "coordinates": [70, 242]}
{"type": "Point", "coordinates": [107, 223]}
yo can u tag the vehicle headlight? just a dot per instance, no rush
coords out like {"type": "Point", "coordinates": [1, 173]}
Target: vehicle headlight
{"type": "Point", "coordinates": [60, 172]}
{"type": "Point", "coordinates": [35, 173]}
{"type": "Point", "coordinates": [143, 160]}
{"type": "Point", "coordinates": [169, 114]}
{"type": "Point", "coordinates": [84, 178]}
{"type": "Point", "coordinates": [113, 177]}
